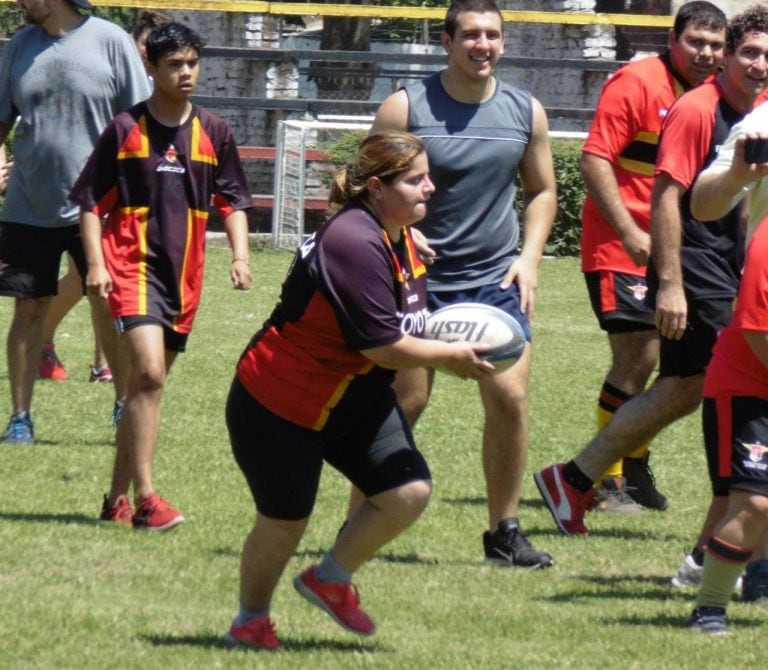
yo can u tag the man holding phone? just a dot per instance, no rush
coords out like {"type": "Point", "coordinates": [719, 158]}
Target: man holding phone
{"type": "Point", "coordinates": [696, 268]}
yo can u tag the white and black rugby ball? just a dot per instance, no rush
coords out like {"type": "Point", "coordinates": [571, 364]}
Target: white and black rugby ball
{"type": "Point", "coordinates": [479, 324]}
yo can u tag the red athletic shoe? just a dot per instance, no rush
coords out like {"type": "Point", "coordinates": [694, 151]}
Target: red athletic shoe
{"type": "Point", "coordinates": [156, 513]}
{"type": "Point", "coordinates": [566, 504]}
{"type": "Point", "coordinates": [50, 365]}
{"type": "Point", "coordinates": [341, 601]}
{"type": "Point", "coordinates": [100, 373]}
{"type": "Point", "coordinates": [257, 633]}
{"type": "Point", "coordinates": [120, 512]}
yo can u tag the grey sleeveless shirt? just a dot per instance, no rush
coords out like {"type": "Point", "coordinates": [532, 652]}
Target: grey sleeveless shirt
{"type": "Point", "coordinates": [474, 151]}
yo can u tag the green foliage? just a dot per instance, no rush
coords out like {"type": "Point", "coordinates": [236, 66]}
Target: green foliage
{"type": "Point", "coordinates": [12, 18]}
{"type": "Point", "coordinates": [341, 150]}
{"type": "Point", "coordinates": [564, 239]}
{"type": "Point", "coordinates": [78, 595]}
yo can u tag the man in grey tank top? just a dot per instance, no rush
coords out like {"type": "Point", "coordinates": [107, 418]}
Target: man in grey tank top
{"type": "Point", "coordinates": [480, 134]}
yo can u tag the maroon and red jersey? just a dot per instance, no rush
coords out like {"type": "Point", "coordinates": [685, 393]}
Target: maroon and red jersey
{"type": "Point", "coordinates": [734, 369]}
{"type": "Point", "coordinates": [349, 288]}
{"type": "Point", "coordinates": [154, 183]}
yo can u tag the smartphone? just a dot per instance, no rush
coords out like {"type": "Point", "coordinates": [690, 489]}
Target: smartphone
{"type": "Point", "coordinates": [756, 150]}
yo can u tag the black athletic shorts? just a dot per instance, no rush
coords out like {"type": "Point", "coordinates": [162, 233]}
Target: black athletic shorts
{"type": "Point", "coordinates": [282, 461]}
{"type": "Point", "coordinates": [736, 442]}
{"type": "Point", "coordinates": [172, 340]}
{"type": "Point", "coordinates": [30, 257]}
{"type": "Point", "coordinates": [618, 301]}
{"type": "Point", "coordinates": [691, 354]}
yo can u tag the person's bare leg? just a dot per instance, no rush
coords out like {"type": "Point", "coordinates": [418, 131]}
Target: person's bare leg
{"type": "Point", "coordinates": [377, 520]}
{"type": "Point", "coordinates": [505, 438]}
{"type": "Point", "coordinates": [69, 293]}
{"type": "Point", "coordinates": [23, 346]}
{"type": "Point", "coordinates": [639, 420]}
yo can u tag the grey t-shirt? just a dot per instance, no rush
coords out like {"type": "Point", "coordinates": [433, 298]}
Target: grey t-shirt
{"type": "Point", "coordinates": [474, 151]}
{"type": "Point", "coordinates": [64, 91]}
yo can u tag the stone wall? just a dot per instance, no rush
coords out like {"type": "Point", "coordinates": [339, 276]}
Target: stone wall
{"type": "Point", "coordinates": [559, 87]}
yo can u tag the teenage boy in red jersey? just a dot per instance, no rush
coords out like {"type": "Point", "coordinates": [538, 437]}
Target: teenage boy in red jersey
{"type": "Point", "coordinates": [618, 163]}
{"type": "Point", "coordinates": [153, 172]}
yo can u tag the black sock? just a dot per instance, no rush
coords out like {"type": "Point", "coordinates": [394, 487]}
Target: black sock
{"type": "Point", "coordinates": [576, 478]}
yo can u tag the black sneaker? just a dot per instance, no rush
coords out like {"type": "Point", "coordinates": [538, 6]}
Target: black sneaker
{"type": "Point", "coordinates": [754, 586]}
{"type": "Point", "coordinates": [509, 547]}
{"type": "Point", "coordinates": [641, 484]}
{"type": "Point", "coordinates": [710, 620]}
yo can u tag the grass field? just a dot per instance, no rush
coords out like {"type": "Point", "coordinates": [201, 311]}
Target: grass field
{"type": "Point", "coordinates": [77, 594]}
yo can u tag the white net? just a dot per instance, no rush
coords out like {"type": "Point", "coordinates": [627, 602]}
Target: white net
{"type": "Point", "coordinates": [302, 176]}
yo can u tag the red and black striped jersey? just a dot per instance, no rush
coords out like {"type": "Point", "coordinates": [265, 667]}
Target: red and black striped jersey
{"type": "Point", "coordinates": [349, 288]}
{"type": "Point", "coordinates": [154, 184]}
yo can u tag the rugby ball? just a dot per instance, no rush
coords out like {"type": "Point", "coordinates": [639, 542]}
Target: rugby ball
{"type": "Point", "coordinates": [479, 324]}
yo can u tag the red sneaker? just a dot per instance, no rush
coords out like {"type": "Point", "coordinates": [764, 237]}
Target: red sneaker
{"type": "Point", "coordinates": [156, 513]}
{"type": "Point", "coordinates": [257, 633]}
{"type": "Point", "coordinates": [50, 365]}
{"type": "Point", "coordinates": [120, 512]}
{"type": "Point", "coordinates": [100, 373]}
{"type": "Point", "coordinates": [566, 504]}
{"type": "Point", "coordinates": [341, 601]}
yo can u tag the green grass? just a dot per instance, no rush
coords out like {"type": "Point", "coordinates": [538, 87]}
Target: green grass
{"type": "Point", "coordinates": [76, 594]}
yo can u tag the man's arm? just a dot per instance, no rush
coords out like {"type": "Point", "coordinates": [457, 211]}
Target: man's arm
{"type": "Point", "coordinates": [392, 113]}
{"type": "Point", "coordinates": [602, 186]}
{"type": "Point", "coordinates": [98, 281]}
{"type": "Point", "coordinates": [540, 206]}
{"type": "Point", "coordinates": [236, 227]}
{"type": "Point", "coordinates": [720, 188]}
{"type": "Point", "coordinates": [666, 240]}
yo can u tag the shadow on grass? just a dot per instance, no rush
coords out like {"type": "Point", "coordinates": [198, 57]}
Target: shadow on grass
{"type": "Point", "coordinates": [218, 642]}
{"type": "Point", "coordinates": [50, 518]}
{"type": "Point", "coordinates": [530, 503]}
{"type": "Point", "coordinates": [665, 620]}
{"type": "Point", "coordinates": [388, 557]}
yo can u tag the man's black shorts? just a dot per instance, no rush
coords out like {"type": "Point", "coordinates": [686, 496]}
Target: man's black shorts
{"type": "Point", "coordinates": [618, 301]}
{"type": "Point", "coordinates": [30, 257]}
{"type": "Point", "coordinates": [736, 442]}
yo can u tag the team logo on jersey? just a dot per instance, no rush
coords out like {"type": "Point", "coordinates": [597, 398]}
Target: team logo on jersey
{"type": "Point", "coordinates": [170, 160]}
{"type": "Point", "coordinates": [663, 113]}
{"type": "Point", "coordinates": [756, 452]}
{"type": "Point", "coordinates": [638, 291]}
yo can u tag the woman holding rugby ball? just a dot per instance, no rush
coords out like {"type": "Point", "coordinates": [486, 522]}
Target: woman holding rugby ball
{"type": "Point", "coordinates": [314, 385]}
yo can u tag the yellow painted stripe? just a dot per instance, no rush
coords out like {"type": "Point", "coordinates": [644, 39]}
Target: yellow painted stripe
{"type": "Point", "coordinates": [373, 11]}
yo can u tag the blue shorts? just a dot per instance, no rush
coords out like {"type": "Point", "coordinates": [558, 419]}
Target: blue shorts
{"type": "Point", "coordinates": [507, 300]}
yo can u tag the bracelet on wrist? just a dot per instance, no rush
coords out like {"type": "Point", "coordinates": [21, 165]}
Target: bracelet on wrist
{"type": "Point", "coordinates": [242, 260]}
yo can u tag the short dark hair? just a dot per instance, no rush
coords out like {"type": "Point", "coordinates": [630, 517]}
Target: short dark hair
{"type": "Point", "coordinates": [701, 14]}
{"type": "Point", "coordinates": [460, 6]}
{"type": "Point", "coordinates": [752, 20]}
{"type": "Point", "coordinates": [171, 37]}
{"type": "Point", "coordinates": [148, 18]}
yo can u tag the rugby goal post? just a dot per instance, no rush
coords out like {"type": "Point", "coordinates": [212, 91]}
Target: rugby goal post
{"type": "Point", "coordinates": [300, 178]}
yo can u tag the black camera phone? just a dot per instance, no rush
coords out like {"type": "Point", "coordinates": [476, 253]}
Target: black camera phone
{"type": "Point", "coordinates": [756, 150]}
